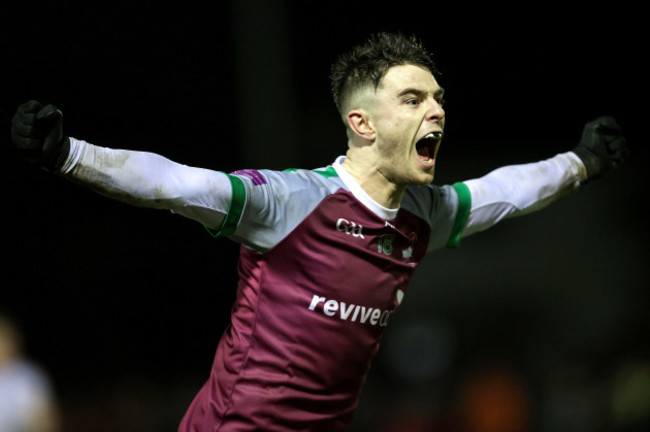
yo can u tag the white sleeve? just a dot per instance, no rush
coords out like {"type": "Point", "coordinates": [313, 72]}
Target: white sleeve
{"type": "Point", "coordinates": [150, 180]}
{"type": "Point", "coordinates": [519, 189]}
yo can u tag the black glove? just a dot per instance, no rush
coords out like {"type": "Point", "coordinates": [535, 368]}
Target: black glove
{"type": "Point", "coordinates": [37, 133]}
{"type": "Point", "coordinates": [602, 146]}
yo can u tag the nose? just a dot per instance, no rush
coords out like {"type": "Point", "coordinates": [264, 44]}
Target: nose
{"type": "Point", "coordinates": [435, 111]}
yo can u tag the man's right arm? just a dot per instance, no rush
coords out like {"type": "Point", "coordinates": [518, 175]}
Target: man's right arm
{"type": "Point", "coordinates": [137, 178]}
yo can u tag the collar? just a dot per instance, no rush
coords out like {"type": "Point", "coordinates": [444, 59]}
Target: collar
{"type": "Point", "coordinates": [360, 194]}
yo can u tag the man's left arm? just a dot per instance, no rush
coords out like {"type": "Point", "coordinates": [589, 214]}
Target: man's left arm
{"type": "Point", "coordinates": [520, 189]}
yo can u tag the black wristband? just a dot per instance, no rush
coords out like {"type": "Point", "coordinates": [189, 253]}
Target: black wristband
{"type": "Point", "coordinates": [55, 161]}
{"type": "Point", "coordinates": [592, 162]}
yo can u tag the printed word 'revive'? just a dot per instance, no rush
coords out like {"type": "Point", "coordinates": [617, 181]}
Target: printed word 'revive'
{"type": "Point", "coordinates": [351, 312]}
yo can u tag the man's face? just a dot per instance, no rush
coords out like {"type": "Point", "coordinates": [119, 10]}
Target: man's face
{"type": "Point", "coordinates": [408, 118]}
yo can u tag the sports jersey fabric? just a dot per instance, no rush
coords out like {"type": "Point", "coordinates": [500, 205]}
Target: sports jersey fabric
{"type": "Point", "coordinates": [318, 283]}
{"type": "Point", "coordinates": [322, 269]}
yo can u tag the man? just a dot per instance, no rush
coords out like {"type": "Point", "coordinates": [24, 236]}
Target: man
{"type": "Point", "coordinates": [326, 254]}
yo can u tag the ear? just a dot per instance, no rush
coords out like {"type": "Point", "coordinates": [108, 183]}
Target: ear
{"type": "Point", "coordinates": [360, 124]}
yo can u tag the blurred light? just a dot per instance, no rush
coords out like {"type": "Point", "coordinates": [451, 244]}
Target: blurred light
{"type": "Point", "coordinates": [631, 395]}
{"type": "Point", "coordinates": [494, 399]}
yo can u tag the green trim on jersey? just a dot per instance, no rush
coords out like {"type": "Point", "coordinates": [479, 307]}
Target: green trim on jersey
{"type": "Point", "coordinates": [464, 206]}
{"type": "Point", "coordinates": [235, 208]}
{"type": "Point", "coordinates": [327, 173]}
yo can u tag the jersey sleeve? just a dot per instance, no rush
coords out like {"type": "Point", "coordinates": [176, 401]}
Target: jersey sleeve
{"type": "Point", "coordinates": [520, 189]}
{"type": "Point", "coordinates": [456, 211]}
{"type": "Point", "coordinates": [149, 180]}
{"type": "Point", "coordinates": [267, 205]}
{"type": "Point", "coordinates": [255, 208]}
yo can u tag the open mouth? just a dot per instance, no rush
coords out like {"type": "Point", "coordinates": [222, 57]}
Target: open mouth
{"type": "Point", "coordinates": [427, 146]}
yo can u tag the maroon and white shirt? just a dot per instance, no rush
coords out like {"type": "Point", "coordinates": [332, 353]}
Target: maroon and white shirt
{"type": "Point", "coordinates": [322, 269]}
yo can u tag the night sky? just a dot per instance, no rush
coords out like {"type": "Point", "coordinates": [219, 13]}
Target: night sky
{"type": "Point", "coordinates": [120, 303]}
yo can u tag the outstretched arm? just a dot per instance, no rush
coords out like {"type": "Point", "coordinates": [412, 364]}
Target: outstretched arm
{"type": "Point", "coordinates": [137, 178]}
{"type": "Point", "coordinates": [519, 189]}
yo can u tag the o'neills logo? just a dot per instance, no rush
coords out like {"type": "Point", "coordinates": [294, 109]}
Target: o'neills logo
{"type": "Point", "coordinates": [349, 227]}
{"type": "Point", "coordinates": [352, 312]}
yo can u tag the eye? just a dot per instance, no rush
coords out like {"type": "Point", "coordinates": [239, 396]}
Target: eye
{"type": "Point", "coordinates": [413, 101]}
{"type": "Point", "coordinates": [441, 101]}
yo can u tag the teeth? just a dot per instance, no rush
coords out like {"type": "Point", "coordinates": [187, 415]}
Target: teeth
{"type": "Point", "coordinates": [434, 135]}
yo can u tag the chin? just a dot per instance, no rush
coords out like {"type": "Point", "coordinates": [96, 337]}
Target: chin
{"type": "Point", "coordinates": [427, 176]}
{"type": "Point", "coordinates": [423, 179]}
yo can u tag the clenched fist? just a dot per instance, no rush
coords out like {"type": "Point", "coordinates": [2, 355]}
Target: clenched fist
{"type": "Point", "coordinates": [37, 133]}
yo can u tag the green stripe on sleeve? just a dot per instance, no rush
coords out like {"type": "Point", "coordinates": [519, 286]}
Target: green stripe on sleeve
{"type": "Point", "coordinates": [464, 205]}
{"type": "Point", "coordinates": [327, 172]}
{"type": "Point", "coordinates": [235, 208]}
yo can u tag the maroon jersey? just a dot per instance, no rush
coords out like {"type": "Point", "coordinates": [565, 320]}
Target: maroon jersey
{"type": "Point", "coordinates": [307, 321]}
{"type": "Point", "coordinates": [311, 308]}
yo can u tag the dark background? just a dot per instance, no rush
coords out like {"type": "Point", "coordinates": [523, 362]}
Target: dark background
{"type": "Point", "coordinates": [542, 320]}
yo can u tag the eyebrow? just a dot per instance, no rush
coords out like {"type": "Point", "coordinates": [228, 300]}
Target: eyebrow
{"type": "Point", "coordinates": [418, 92]}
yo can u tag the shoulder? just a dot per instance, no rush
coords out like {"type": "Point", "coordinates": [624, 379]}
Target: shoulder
{"type": "Point", "coordinates": [272, 203]}
{"type": "Point", "coordinates": [24, 376]}
{"type": "Point", "coordinates": [293, 178]}
{"type": "Point", "coordinates": [426, 200]}
{"type": "Point", "coordinates": [260, 187]}
{"type": "Point", "coordinates": [444, 208]}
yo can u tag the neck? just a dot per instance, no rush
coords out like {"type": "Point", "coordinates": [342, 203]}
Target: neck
{"type": "Point", "coordinates": [373, 182]}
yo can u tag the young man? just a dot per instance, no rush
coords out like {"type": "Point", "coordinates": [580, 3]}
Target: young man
{"type": "Point", "coordinates": [326, 254]}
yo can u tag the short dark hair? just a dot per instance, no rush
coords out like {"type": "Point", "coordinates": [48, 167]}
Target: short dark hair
{"type": "Point", "coordinates": [367, 63]}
